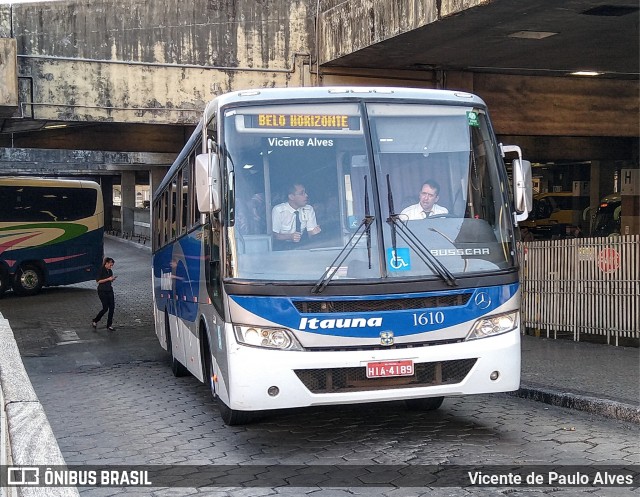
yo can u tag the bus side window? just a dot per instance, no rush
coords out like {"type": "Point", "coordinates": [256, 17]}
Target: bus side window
{"type": "Point", "coordinates": [174, 200]}
{"type": "Point", "coordinates": [157, 218]}
{"type": "Point", "coordinates": [186, 208]}
{"type": "Point", "coordinates": [213, 267]}
{"type": "Point", "coordinates": [165, 217]}
{"type": "Point", "coordinates": [194, 213]}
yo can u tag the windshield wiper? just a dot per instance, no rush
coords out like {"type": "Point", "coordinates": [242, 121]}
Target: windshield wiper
{"type": "Point", "coordinates": [363, 228]}
{"type": "Point", "coordinates": [411, 239]}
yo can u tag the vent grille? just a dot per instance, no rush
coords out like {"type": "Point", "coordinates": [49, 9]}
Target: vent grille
{"type": "Point", "coordinates": [355, 379]}
{"type": "Point", "coordinates": [411, 345]}
{"type": "Point", "coordinates": [314, 307]}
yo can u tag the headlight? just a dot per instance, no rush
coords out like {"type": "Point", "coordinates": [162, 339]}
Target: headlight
{"type": "Point", "coordinates": [270, 338]}
{"type": "Point", "coordinates": [494, 325]}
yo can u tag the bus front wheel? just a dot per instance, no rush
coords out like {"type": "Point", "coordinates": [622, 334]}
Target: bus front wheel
{"type": "Point", "coordinates": [428, 404]}
{"type": "Point", "coordinates": [232, 417]}
{"type": "Point", "coordinates": [29, 280]}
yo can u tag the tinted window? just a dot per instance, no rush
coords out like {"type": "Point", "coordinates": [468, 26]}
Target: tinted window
{"type": "Point", "coordinates": [37, 204]}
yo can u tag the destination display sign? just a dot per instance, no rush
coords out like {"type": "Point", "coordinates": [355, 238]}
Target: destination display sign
{"type": "Point", "coordinates": [302, 121]}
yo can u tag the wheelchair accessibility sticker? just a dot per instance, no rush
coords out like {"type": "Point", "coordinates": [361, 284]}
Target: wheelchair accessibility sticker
{"type": "Point", "coordinates": [398, 259]}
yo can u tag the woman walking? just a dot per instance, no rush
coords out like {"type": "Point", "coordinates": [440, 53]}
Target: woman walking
{"type": "Point", "coordinates": [105, 293]}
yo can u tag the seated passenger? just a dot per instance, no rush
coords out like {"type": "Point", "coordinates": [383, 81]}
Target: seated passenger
{"type": "Point", "coordinates": [293, 221]}
{"type": "Point", "coordinates": [427, 205]}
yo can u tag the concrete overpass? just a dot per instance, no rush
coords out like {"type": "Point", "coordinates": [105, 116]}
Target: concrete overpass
{"type": "Point", "coordinates": [127, 79]}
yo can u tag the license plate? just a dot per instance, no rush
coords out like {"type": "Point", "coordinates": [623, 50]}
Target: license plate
{"type": "Point", "coordinates": [388, 369]}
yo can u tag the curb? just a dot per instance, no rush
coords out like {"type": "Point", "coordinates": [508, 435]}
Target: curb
{"type": "Point", "coordinates": [27, 438]}
{"type": "Point", "coordinates": [131, 243]}
{"type": "Point", "coordinates": [603, 407]}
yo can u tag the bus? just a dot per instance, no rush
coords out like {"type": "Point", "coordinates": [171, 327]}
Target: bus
{"type": "Point", "coordinates": [606, 221]}
{"type": "Point", "coordinates": [554, 212]}
{"type": "Point", "coordinates": [375, 306]}
{"type": "Point", "coordinates": [51, 232]}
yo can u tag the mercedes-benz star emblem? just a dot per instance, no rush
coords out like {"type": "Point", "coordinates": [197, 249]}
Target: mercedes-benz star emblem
{"type": "Point", "coordinates": [386, 338]}
{"type": "Point", "coordinates": [482, 300]}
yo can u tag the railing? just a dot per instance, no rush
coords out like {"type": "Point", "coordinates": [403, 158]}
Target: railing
{"type": "Point", "coordinates": [582, 286]}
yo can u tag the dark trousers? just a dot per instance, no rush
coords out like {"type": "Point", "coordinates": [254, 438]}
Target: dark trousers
{"type": "Point", "coordinates": [108, 304]}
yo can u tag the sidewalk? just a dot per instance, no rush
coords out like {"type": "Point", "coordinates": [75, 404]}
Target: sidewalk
{"type": "Point", "coordinates": [597, 378]}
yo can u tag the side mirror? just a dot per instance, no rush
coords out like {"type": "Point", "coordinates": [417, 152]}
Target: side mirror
{"type": "Point", "coordinates": [522, 183]}
{"type": "Point", "coordinates": [616, 213]}
{"type": "Point", "coordinates": [522, 188]}
{"type": "Point", "coordinates": [208, 188]}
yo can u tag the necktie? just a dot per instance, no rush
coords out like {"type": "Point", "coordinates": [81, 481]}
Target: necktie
{"type": "Point", "coordinates": [298, 223]}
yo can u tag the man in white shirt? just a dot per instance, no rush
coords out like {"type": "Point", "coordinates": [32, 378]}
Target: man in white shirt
{"type": "Point", "coordinates": [293, 220]}
{"type": "Point", "coordinates": [428, 204]}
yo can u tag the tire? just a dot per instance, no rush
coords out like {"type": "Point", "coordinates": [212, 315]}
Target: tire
{"type": "Point", "coordinates": [427, 404]}
{"type": "Point", "coordinates": [4, 280]}
{"type": "Point", "coordinates": [28, 280]}
{"type": "Point", "coordinates": [177, 368]}
{"type": "Point", "coordinates": [230, 417]}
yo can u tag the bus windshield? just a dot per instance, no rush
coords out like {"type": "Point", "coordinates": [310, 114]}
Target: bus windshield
{"type": "Point", "coordinates": [369, 191]}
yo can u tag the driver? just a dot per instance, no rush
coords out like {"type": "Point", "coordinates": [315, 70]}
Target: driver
{"type": "Point", "coordinates": [293, 221]}
{"type": "Point", "coordinates": [428, 204]}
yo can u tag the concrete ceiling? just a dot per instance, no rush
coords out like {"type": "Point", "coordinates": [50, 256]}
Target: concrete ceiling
{"type": "Point", "coordinates": [502, 36]}
{"type": "Point", "coordinates": [512, 37]}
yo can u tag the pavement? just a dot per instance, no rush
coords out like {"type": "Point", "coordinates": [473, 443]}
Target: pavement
{"type": "Point", "coordinates": [593, 377]}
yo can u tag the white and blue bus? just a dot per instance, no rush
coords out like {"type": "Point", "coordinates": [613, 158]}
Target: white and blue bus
{"type": "Point", "coordinates": [370, 298]}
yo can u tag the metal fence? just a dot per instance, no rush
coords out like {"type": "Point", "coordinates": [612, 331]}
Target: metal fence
{"type": "Point", "coordinates": [582, 286]}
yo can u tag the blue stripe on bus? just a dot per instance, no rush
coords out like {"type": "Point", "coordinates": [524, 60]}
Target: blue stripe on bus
{"type": "Point", "coordinates": [281, 310]}
{"type": "Point", "coordinates": [182, 262]}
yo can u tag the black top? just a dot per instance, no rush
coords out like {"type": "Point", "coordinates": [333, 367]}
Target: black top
{"type": "Point", "coordinates": [103, 274]}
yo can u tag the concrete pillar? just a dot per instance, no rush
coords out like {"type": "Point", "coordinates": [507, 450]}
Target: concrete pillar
{"type": "Point", "coordinates": [156, 175]}
{"type": "Point", "coordinates": [128, 185]}
{"type": "Point", "coordinates": [106, 183]}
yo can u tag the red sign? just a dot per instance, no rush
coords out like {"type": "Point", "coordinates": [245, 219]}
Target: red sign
{"type": "Point", "coordinates": [387, 369]}
{"type": "Point", "coordinates": [608, 260]}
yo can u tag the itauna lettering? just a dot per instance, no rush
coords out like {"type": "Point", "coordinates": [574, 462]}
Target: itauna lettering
{"type": "Point", "coordinates": [467, 251]}
{"type": "Point", "coordinates": [327, 324]}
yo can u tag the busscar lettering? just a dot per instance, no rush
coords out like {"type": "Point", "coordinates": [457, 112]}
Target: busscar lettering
{"type": "Point", "coordinates": [459, 251]}
{"type": "Point", "coordinates": [324, 324]}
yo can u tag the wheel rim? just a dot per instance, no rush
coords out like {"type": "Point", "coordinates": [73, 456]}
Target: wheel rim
{"type": "Point", "coordinates": [29, 279]}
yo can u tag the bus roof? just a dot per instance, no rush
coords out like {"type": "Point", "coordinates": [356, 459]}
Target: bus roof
{"type": "Point", "coordinates": [259, 95]}
{"type": "Point", "coordinates": [612, 197]}
{"type": "Point", "coordinates": [50, 182]}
